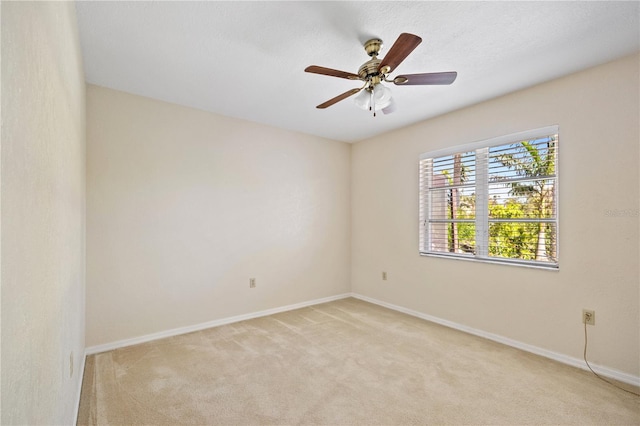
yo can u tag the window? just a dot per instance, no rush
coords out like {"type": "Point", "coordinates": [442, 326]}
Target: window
{"type": "Point", "coordinates": [494, 200]}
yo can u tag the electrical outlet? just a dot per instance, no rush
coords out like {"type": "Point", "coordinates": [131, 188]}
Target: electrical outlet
{"type": "Point", "coordinates": [252, 282]}
{"type": "Point", "coordinates": [588, 317]}
{"type": "Point", "coordinates": [384, 276]}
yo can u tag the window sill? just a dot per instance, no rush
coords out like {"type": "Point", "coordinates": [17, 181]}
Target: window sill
{"type": "Point", "coordinates": [497, 261]}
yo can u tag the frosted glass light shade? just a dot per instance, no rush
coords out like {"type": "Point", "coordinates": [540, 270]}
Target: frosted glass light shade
{"type": "Point", "coordinates": [363, 99]}
{"type": "Point", "coordinates": [382, 96]}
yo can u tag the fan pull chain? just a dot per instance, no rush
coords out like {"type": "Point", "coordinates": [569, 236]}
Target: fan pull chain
{"type": "Point", "coordinates": [373, 101]}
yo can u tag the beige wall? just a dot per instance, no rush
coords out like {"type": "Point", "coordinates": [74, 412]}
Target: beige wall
{"type": "Point", "coordinates": [597, 111]}
{"type": "Point", "coordinates": [184, 206]}
{"type": "Point", "coordinates": [43, 217]}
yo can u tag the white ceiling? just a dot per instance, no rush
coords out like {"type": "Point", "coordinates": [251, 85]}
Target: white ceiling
{"type": "Point", "coordinates": [247, 59]}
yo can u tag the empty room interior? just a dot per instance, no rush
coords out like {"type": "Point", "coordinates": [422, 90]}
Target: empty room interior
{"type": "Point", "coordinates": [320, 213]}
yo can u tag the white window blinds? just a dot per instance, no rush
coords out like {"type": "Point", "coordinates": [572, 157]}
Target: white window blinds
{"type": "Point", "coordinates": [494, 200]}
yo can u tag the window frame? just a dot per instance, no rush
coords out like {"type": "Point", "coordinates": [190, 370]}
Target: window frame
{"type": "Point", "coordinates": [482, 184]}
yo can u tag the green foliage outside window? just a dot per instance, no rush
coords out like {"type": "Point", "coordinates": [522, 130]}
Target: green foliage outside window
{"type": "Point", "coordinates": [527, 199]}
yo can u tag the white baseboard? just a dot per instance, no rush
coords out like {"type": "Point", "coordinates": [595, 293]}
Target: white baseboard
{"type": "Point", "coordinates": [79, 392]}
{"type": "Point", "coordinates": [565, 359]}
{"type": "Point", "coordinates": [197, 327]}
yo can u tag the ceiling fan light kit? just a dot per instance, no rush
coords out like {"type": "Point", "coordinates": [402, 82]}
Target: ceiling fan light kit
{"type": "Point", "coordinates": [373, 95]}
{"type": "Point", "coordinates": [374, 99]}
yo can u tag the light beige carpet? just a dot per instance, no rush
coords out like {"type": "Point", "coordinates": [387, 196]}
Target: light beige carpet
{"type": "Point", "coordinates": [341, 363]}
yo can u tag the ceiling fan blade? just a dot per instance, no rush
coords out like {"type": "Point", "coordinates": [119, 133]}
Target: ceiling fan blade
{"type": "Point", "coordinates": [399, 51]}
{"type": "Point", "coordinates": [331, 72]}
{"type": "Point", "coordinates": [338, 98]}
{"type": "Point", "coordinates": [432, 78]}
{"type": "Point", "coordinates": [389, 108]}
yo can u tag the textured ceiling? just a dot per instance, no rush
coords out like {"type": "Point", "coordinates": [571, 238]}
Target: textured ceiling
{"type": "Point", "coordinates": [246, 59]}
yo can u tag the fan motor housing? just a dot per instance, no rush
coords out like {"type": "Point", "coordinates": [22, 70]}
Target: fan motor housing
{"type": "Point", "coordinates": [369, 68]}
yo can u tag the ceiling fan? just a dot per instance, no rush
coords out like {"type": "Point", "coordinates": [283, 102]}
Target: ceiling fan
{"type": "Point", "coordinates": [375, 96]}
